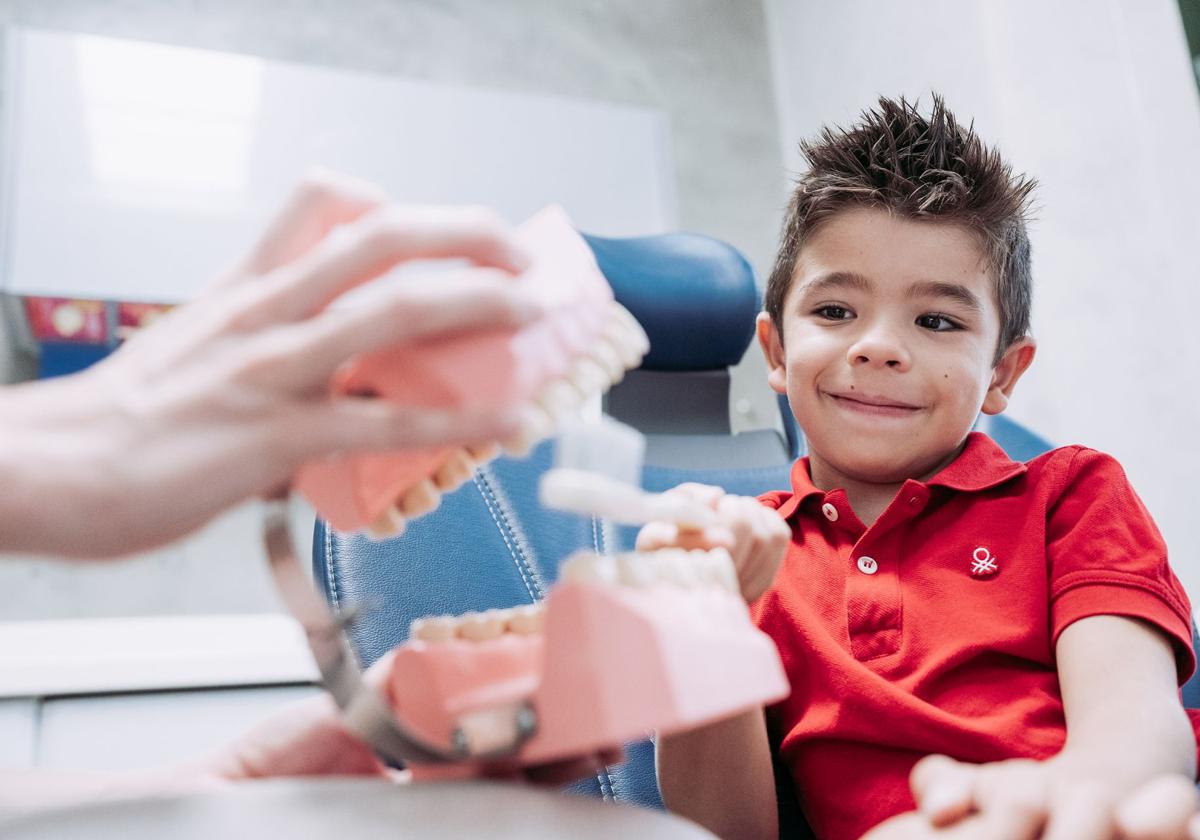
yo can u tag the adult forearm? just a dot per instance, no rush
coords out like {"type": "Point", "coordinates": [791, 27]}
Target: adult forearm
{"type": "Point", "coordinates": [720, 776]}
{"type": "Point", "coordinates": [51, 456]}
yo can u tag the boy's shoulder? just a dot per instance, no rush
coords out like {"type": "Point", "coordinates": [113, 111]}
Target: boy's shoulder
{"type": "Point", "coordinates": [1068, 464]}
{"type": "Point", "coordinates": [1055, 470]}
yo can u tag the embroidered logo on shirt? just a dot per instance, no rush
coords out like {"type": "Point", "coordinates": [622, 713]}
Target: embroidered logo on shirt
{"type": "Point", "coordinates": [984, 563]}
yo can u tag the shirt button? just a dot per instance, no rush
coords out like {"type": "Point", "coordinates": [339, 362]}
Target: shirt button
{"type": "Point", "coordinates": [867, 565]}
{"type": "Point", "coordinates": [830, 512]}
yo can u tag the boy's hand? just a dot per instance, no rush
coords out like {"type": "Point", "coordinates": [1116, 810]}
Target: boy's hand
{"type": "Point", "coordinates": [1020, 799]}
{"type": "Point", "coordinates": [754, 535]}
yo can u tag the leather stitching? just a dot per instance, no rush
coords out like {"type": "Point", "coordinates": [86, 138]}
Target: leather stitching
{"type": "Point", "coordinates": [505, 521]}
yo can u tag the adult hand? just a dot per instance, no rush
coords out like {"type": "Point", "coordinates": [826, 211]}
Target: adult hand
{"type": "Point", "coordinates": [225, 397]}
{"type": "Point", "coordinates": [310, 738]}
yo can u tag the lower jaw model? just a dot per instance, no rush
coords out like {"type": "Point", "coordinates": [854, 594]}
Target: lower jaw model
{"type": "Point", "coordinates": [623, 645]}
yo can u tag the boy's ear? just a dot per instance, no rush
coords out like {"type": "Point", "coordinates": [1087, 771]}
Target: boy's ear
{"type": "Point", "coordinates": [772, 347]}
{"type": "Point", "coordinates": [1015, 361]}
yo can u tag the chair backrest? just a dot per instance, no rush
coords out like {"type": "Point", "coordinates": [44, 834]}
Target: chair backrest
{"type": "Point", "coordinates": [490, 543]}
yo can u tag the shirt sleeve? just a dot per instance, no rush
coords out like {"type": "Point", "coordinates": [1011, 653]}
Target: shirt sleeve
{"type": "Point", "coordinates": [1107, 557]}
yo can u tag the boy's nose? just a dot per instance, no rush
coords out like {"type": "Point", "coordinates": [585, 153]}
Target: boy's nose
{"type": "Point", "coordinates": [879, 350]}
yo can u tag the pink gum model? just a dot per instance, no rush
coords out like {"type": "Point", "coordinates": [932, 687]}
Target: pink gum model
{"type": "Point", "coordinates": [639, 642]}
{"type": "Point", "coordinates": [584, 343]}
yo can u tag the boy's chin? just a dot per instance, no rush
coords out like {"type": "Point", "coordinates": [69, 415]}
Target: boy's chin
{"type": "Point", "coordinates": [884, 466]}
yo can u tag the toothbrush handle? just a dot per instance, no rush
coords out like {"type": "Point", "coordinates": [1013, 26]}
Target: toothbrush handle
{"type": "Point", "coordinates": [593, 494]}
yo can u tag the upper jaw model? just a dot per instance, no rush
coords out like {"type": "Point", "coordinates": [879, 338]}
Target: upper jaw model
{"type": "Point", "coordinates": [581, 346]}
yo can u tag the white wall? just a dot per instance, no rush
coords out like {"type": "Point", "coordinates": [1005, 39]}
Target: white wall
{"type": "Point", "coordinates": [1097, 100]}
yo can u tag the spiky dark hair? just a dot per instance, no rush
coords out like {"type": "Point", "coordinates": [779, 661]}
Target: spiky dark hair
{"type": "Point", "coordinates": [918, 168]}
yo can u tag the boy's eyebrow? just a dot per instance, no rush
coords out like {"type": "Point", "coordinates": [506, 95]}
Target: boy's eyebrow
{"type": "Point", "coordinates": [836, 280]}
{"type": "Point", "coordinates": [938, 288]}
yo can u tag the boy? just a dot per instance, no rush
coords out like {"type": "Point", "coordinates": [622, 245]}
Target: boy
{"type": "Point", "coordinates": [933, 598]}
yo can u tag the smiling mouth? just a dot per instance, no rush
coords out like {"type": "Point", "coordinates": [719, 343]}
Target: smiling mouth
{"type": "Point", "coordinates": [875, 406]}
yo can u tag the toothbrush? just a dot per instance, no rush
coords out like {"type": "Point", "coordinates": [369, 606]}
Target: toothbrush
{"type": "Point", "coordinates": [597, 470]}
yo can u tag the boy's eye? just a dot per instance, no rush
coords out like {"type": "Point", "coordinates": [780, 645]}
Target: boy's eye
{"type": "Point", "coordinates": [834, 313]}
{"type": "Point", "coordinates": [937, 323]}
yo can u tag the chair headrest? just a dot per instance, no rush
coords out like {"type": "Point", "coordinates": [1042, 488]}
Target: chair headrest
{"type": "Point", "coordinates": [695, 296]}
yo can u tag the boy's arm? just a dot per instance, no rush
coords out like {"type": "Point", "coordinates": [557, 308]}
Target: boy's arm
{"type": "Point", "coordinates": [1125, 726]}
{"type": "Point", "coordinates": [721, 777]}
{"type": "Point", "coordinates": [1125, 723]}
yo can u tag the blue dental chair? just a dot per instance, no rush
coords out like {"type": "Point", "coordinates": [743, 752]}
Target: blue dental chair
{"type": "Point", "coordinates": [490, 544]}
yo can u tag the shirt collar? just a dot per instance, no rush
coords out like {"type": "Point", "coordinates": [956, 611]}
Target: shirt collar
{"type": "Point", "coordinates": [980, 465]}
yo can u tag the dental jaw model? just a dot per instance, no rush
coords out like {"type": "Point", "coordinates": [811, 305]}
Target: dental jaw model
{"type": "Point", "coordinates": [582, 345]}
{"type": "Point", "coordinates": [622, 645]}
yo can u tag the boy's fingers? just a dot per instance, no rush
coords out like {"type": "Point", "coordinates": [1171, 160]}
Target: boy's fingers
{"type": "Point", "coordinates": [380, 240]}
{"type": "Point", "coordinates": [703, 494]}
{"type": "Point", "coordinates": [1079, 812]}
{"type": "Point", "coordinates": [321, 202]}
{"type": "Point", "coordinates": [732, 514]}
{"type": "Point", "coordinates": [943, 789]}
{"type": "Point", "coordinates": [1160, 808]}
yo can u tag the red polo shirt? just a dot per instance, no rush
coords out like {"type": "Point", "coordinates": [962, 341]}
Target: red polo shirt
{"type": "Point", "coordinates": [933, 631]}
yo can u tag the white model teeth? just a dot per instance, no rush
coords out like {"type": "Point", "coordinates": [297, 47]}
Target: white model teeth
{"type": "Point", "coordinates": [560, 398]}
{"type": "Point", "coordinates": [589, 567]}
{"type": "Point", "coordinates": [527, 620]}
{"type": "Point", "coordinates": [420, 499]}
{"type": "Point", "coordinates": [617, 335]}
{"type": "Point", "coordinates": [629, 330]}
{"type": "Point", "coordinates": [721, 569]}
{"type": "Point", "coordinates": [436, 628]}
{"type": "Point", "coordinates": [481, 453]}
{"type": "Point", "coordinates": [605, 355]}
{"type": "Point", "coordinates": [635, 569]}
{"type": "Point", "coordinates": [588, 376]}
{"type": "Point", "coordinates": [536, 424]}
{"type": "Point", "coordinates": [481, 627]}
{"type": "Point", "coordinates": [679, 567]}
{"type": "Point", "coordinates": [455, 471]}
{"type": "Point", "coordinates": [390, 523]}
{"type": "Point", "coordinates": [670, 566]}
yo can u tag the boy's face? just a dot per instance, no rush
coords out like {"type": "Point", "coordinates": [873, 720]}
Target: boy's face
{"type": "Point", "coordinates": [890, 328]}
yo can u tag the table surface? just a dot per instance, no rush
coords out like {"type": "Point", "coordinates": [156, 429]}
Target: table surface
{"type": "Point", "coordinates": [349, 809]}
